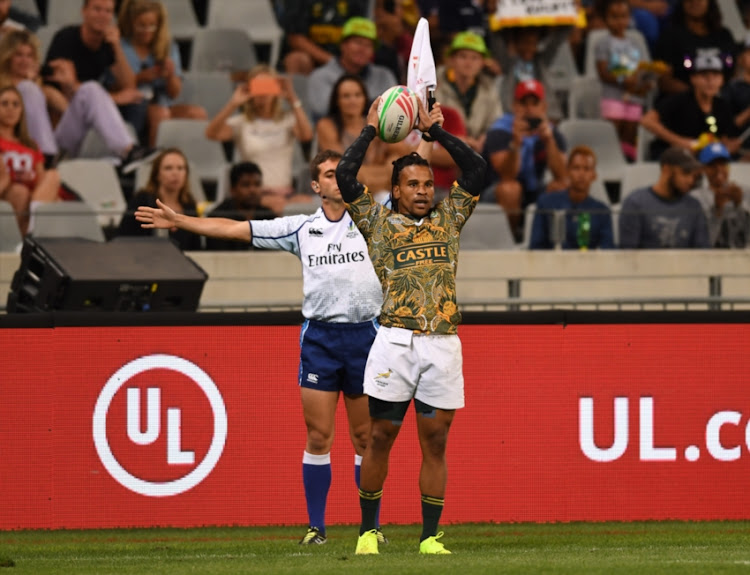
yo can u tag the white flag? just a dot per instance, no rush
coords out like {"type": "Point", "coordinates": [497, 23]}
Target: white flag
{"type": "Point", "coordinates": [421, 73]}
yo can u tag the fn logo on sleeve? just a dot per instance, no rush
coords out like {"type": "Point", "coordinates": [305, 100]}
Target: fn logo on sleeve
{"type": "Point", "coordinates": [421, 254]}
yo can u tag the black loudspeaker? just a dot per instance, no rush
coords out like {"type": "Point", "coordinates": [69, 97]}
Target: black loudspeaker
{"type": "Point", "coordinates": [126, 274]}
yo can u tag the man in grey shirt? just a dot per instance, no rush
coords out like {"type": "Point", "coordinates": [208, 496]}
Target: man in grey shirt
{"type": "Point", "coordinates": [357, 49]}
{"type": "Point", "coordinates": [725, 203]}
{"type": "Point", "coordinates": [665, 215]}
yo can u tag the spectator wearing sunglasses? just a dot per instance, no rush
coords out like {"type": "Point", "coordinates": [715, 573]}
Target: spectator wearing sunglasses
{"type": "Point", "coordinates": [699, 116]}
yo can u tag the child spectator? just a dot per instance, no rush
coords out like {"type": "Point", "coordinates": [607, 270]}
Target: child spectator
{"type": "Point", "coordinates": [155, 60]}
{"type": "Point", "coordinates": [264, 133]}
{"type": "Point", "coordinates": [23, 179]}
{"type": "Point", "coordinates": [623, 87]}
{"type": "Point", "coordinates": [168, 181]}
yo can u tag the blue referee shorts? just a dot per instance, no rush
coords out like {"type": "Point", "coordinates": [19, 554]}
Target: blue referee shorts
{"type": "Point", "coordinates": [333, 355]}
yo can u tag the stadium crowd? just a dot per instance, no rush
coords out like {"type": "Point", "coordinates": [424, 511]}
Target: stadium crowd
{"type": "Point", "coordinates": [628, 130]}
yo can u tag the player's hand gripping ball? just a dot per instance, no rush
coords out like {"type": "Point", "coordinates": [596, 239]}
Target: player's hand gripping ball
{"type": "Point", "coordinates": [398, 113]}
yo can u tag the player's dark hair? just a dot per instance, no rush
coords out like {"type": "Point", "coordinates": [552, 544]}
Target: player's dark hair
{"type": "Point", "coordinates": [242, 168]}
{"type": "Point", "coordinates": [320, 157]}
{"type": "Point", "coordinates": [412, 159]}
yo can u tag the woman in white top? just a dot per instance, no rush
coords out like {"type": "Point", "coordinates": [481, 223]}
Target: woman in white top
{"type": "Point", "coordinates": [264, 132]}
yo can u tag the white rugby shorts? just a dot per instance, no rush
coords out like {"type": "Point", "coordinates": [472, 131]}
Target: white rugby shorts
{"type": "Point", "coordinates": [403, 365]}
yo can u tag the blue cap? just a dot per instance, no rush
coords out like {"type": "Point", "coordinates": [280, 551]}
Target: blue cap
{"type": "Point", "coordinates": [715, 151]}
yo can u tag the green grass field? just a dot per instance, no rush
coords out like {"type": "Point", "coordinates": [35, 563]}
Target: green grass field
{"type": "Point", "coordinates": [649, 547]}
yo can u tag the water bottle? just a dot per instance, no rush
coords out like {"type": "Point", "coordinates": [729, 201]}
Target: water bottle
{"type": "Point", "coordinates": [583, 233]}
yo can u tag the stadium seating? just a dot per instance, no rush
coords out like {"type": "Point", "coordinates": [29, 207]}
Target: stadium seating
{"type": "Point", "coordinates": [584, 98]}
{"type": "Point", "coordinates": [643, 143]}
{"type": "Point", "coordinates": [211, 90]}
{"type": "Point", "coordinates": [731, 18]}
{"type": "Point", "coordinates": [602, 137]}
{"type": "Point", "coordinates": [206, 156]}
{"type": "Point", "coordinates": [256, 17]}
{"type": "Point", "coordinates": [63, 13]}
{"type": "Point", "coordinates": [97, 183]}
{"type": "Point", "coordinates": [487, 229]}
{"type": "Point", "coordinates": [28, 6]}
{"type": "Point", "coordinates": [528, 221]}
{"type": "Point", "coordinates": [93, 145]}
{"type": "Point", "coordinates": [45, 35]}
{"type": "Point", "coordinates": [66, 220]}
{"type": "Point", "coordinates": [598, 191]}
{"type": "Point", "coordinates": [740, 172]}
{"type": "Point", "coordinates": [562, 71]}
{"type": "Point", "coordinates": [295, 208]}
{"type": "Point", "coordinates": [10, 236]}
{"type": "Point", "coordinates": [183, 23]}
{"type": "Point", "coordinates": [222, 49]}
{"type": "Point", "coordinates": [638, 175]}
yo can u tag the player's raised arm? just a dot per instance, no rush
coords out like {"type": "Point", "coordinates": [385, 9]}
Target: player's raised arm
{"type": "Point", "coordinates": [165, 218]}
{"type": "Point", "coordinates": [471, 164]}
{"type": "Point", "coordinates": [434, 116]}
{"type": "Point", "coordinates": [346, 171]}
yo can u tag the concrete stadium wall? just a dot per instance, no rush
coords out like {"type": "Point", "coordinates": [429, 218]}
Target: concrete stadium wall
{"type": "Point", "coordinates": [270, 278]}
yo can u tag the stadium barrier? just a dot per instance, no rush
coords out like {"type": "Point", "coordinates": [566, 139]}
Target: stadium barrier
{"type": "Point", "coordinates": [271, 280]}
{"type": "Point", "coordinates": [195, 419]}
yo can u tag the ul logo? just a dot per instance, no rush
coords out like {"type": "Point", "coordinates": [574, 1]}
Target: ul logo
{"type": "Point", "coordinates": [159, 425]}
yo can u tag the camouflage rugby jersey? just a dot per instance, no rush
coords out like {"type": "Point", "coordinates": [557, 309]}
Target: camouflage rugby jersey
{"type": "Point", "coordinates": [416, 260]}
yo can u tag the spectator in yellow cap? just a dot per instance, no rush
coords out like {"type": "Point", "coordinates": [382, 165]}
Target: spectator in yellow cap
{"type": "Point", "coordinates": [357, 49]}
{"type": "Point", "coordinates": [461, 85]}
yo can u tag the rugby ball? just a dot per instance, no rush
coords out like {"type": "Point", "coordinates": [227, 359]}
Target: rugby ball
{"type": "Point", "coordinates": [397, 114]}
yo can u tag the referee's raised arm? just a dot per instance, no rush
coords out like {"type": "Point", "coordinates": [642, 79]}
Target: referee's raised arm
{"type": "Point", "coordinates": [346, 172]}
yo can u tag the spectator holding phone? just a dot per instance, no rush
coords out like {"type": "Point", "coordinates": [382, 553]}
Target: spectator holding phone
{"type": "Point", "coordinates": [155, 60]}
{"type": "Point", "coordinates": [264, 132]}
{"type": "Point", "coordinates": [81, 58]}
{"type": "Point", "coordinates": [521, 146]}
